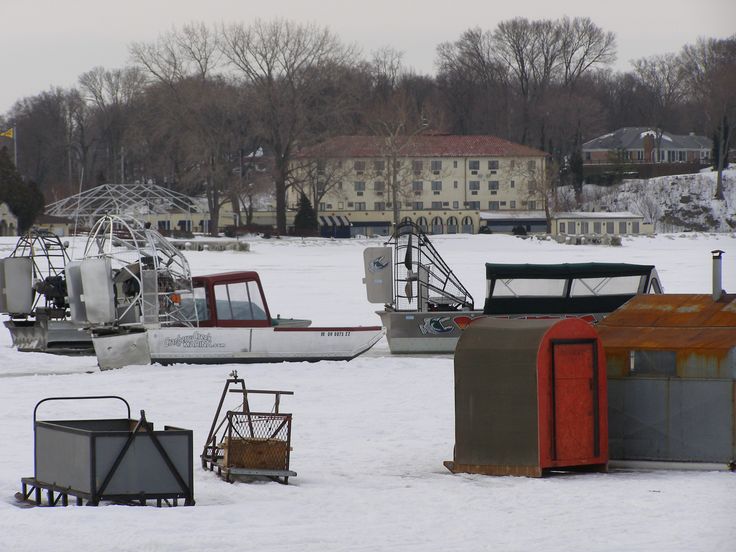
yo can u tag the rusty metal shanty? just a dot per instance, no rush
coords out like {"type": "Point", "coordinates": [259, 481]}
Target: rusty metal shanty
{"type": "Point", "coordinates": [672, 377]}
{"type": "Point", "coordinates": [250, 444]}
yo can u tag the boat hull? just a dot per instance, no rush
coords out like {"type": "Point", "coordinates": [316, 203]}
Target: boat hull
{"type": "Point", "coordinates": [42, 335]}
{"type": "Point", "coordinates": [410, 332]}
{"type": "Point", "coordinates": [437, 332]}
{"type": "Point", "coordinates": [233, 345]}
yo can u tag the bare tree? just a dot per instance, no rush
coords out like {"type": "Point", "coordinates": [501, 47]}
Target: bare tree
{"type": "Point", "coordinates": [288, 66]}
{"type": "Point", "coordinates": [202, 104]}
{"type": "Point", "coordinates": [710, 73]}
{"type": "Point", "coordinates": [584, 46]}
{"type": "Point", "coordinates": [662, 76]}
{"type": "Point", "coordinates": [111, 94]}
{"type": "Point", "coordinates": [648, 206]}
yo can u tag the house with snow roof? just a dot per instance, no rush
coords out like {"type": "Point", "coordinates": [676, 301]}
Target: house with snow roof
{"type": "Point", "coordinates": [639, 145]}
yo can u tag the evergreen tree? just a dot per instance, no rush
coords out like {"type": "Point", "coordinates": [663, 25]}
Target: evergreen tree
{"type": "Point", "coordinates": [305, 221]}
{"type": "Point", "coordinates": [24, 198]}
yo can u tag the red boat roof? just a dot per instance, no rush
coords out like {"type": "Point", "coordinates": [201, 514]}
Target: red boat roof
{"type": "Point", "coordinates": [234, 276]}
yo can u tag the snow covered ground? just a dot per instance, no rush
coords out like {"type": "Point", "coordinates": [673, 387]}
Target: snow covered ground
{"type": "Point", "coordinates": [369, 436]}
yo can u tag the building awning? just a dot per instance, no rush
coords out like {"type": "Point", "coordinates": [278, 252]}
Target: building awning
{"type": "Point", "coordinates": [333, 220]}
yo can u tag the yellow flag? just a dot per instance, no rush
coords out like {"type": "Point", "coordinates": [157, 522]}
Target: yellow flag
{"type": "Point", "coordinates": [8, 133]}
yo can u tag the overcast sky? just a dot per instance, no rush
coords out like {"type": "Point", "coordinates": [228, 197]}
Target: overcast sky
{"type": "Point", "coordinates": [45, 43]}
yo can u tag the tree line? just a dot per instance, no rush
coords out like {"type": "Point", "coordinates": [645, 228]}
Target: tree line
{"type": "Point", "coordinates": [195, 109]}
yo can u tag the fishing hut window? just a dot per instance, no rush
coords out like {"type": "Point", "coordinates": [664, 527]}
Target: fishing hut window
{"type": "Point", "coordinates": [661, 363]}
{"type": "Point", "coordinates": [514, 287]}
{"type": "Point", "coordinates": [239, 301]}
{"type": "Point", "coordinates": [619, 285]}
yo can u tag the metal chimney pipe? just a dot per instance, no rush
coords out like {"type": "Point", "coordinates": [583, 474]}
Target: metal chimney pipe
{"type": "Point", "coordinates": [717, 274]}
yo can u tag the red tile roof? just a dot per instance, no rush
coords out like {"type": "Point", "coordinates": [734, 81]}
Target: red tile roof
{"type": "Point", "coordinates": [424, 145]}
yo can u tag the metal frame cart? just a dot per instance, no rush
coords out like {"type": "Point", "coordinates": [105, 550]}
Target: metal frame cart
{"type": "Point", "coordinates": [251, 444]}
{"type": "Point", "coordinates": [114, 459]}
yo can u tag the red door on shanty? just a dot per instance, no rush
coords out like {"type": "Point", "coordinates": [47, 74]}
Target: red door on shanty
{"type": "Point", "coordinates": [575, 404]}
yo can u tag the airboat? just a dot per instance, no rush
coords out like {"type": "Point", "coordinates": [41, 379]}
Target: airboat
{"type": "Point", "coordinates": [426, 307]}
{"type": "Point", "coordinates": [33, 294]}
{"type": "Point", "coordinates": [135, 292]}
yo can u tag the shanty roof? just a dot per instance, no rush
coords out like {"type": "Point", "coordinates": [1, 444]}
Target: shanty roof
{"type": "Point", "coordinates": [633, 138]}
{"type": "Point", "coordinates": [421, 145]}
{"type": "Point", "coordinates": [123, 199]}
{"type": "Point", "coordinates": [672, 321]}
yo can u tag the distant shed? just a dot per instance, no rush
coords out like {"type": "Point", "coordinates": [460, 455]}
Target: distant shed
{"type": "Point", "coordinates": [530, 396]}
{"type": "Point", "coordinates": [671, 364]}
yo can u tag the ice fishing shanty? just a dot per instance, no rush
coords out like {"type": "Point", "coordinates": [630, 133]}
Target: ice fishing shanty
{"type": "Point", "coordinates": [530, 396]}
{"type": "Point", "coordinates": [111, 459]}
{"type": "Point", "coordinates": [672, 377]}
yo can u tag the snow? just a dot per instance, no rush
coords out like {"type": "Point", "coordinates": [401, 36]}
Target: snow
{"type": "Point", "coordinates": [680, 202]}
{"type": "Point", "coordinates": [369, 436]}
{"type": "Point", "coordinates": [653, 134]}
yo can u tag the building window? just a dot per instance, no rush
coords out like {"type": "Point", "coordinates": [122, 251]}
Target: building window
{"type": "Point", "coordinates": [340, 205]}
{"type": "Point", "coordinates": [621, 227]}
{"type": "Point", "coordinates": [329, 206]}
{"type": "Point", "coordinates": [436, 185]}
{"type": "Point", "coordinates": [379, 206]}
{"type": "Point", "coordinates": [639, 155]}
{"type": "Point", "coordinates": [417, 165]}
{"type": "Point", "coordinates": [474, 165]}
{"type": "Point", "coordinates": [436, 205]}
{"type": "Point", "coordinates": [635, 227]}
{"type": "Point", "coordinates": [379, 165]}
{"type": "Point", "coordinates": [596, 227]}
{"type": "Point", "coordinates": [454, 164]}
{"type": "Point", "coordinates": [378, 186]}
{"type": "Point", "coordinates": [532, 205]}
{"type": "Point", "coordinates": [493, 205]}
{"type": "Point", "coordinates": [584, 227]}
{"type": "Point", "coordinates": [455, 204]}
{"type": "Point", "coordinates": [503, 204]}
{"type": "Point", "coordinates": [474, 185]}
{"type": "Point", "coordinates": [408, 204]}
{"type": "Point", "coordinates": [493, 185]}
{"type": "Point", "coordinates": [339, 185]}
{"type": "Point", "coordinates": [473, 205]}
{"type": "Point", "coordinates": [512, 204]}
{"type": "Point", "coordinates": [436, 165]}
{"type": "Point", "coordinates": [493, 165]}
{"type": "Point", "coordinates": [562, 228]}
{"type": "Point", "coordinates": [512, 184]}
{"type": "Point", "coordinates": [359, 166]}
{"type": "Point", "coordinates": [454, 184]}
{"type": "Point", "coordinates": [321, 167]}
{"type": "Point", "coordinates": [437, 225]}
{"type": "Point", "coordinates": [359, 186]}
{"type": "Point", "coordinates": [360, 205]}
{"type": "Point", "coordinates": [609, 228]}
{"type": "Point", "coordinates": [322, 206]}
{"type": "Point", "coordinates": [417, 186]}
{"type": "Point", "coordinates": [418, 205]}
{"type": "Point", "coordinates": [531, 165]}
{"type": "Point", "coordinates": [586, 155]}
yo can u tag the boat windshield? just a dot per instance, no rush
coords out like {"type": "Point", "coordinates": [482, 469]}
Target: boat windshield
{"type": "Point", "coordinates": [239, 301]}
{"type": "Point", "coordinates": [189, 301]}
